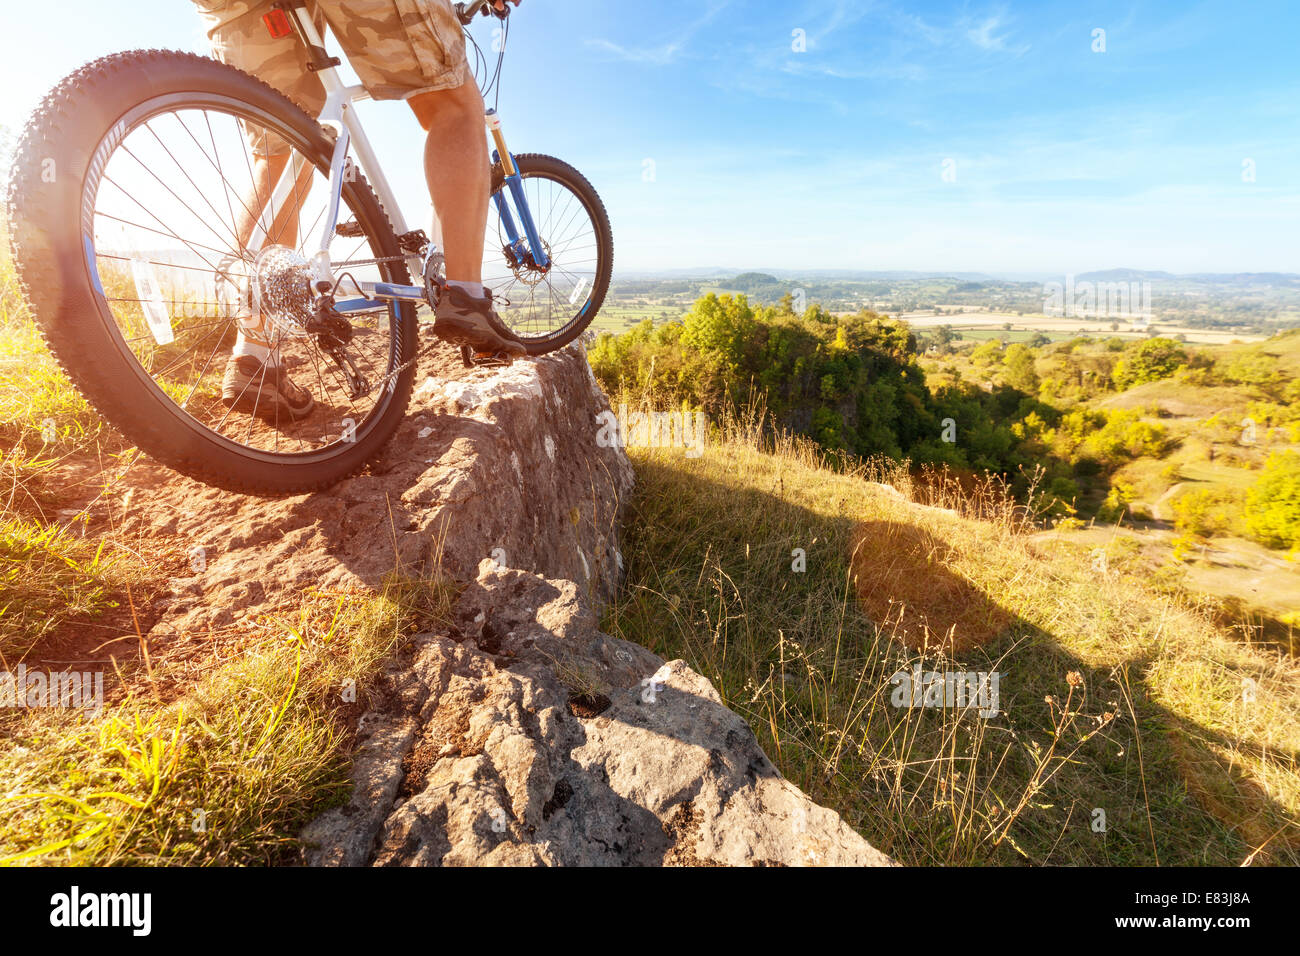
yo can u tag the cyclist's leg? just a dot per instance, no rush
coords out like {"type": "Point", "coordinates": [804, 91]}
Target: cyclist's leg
{"type": "Point", "coordinates": [240, 38]}
{"type": "Point", "coordinates": [416, 52]}
{"type": "Point", "coordinates": [458, 173]}
{"type": "Point", "coordinates": [456, 168]}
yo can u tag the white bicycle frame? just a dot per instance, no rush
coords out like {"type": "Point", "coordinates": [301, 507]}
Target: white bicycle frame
{"type": "Point", "coordinates": [339, 115]}
{"type": "Point", "coordinates": [524, 243]}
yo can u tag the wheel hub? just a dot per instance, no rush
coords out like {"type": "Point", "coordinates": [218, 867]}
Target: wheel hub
{"type": "Point", "coordinates": [530, 273]}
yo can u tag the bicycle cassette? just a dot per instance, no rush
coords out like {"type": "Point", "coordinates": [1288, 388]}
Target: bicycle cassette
{"type": "Point", "coordinates": [281, 286]}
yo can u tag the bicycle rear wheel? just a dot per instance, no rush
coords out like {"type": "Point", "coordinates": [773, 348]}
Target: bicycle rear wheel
{"type": "Point", "coordinates": [142, 254]}
{"type": "Point", "coordinates": [549, 307]}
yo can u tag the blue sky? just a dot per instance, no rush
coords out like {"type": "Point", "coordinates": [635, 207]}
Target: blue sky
{"type": "Point", "coordinates": [930, 136]}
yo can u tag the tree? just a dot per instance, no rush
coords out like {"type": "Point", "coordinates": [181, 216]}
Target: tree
{"type": "Point", "coordinates": [718, 323]}
{"type": "Point", "coordinates": [987, 353]}
{"type": "Point", "coordinates": [1019, 363]}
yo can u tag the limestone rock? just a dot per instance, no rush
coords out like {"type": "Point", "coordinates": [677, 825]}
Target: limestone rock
{"type": "Point", "coordinates": [543, 741]}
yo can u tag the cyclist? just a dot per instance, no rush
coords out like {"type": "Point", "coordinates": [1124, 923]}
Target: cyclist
{"type": "Point", "coordinates": [414, 51]}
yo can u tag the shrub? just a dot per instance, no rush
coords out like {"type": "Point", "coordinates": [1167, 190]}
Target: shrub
{"type": "Point", "coordinates": [1149, 361]}
{"type": "Point", "coordinates": [1273, 504]}
{"type": "Point", "coordinates": [1207, 511]}
{"type": "Point", "coordinates": [1116, 503]}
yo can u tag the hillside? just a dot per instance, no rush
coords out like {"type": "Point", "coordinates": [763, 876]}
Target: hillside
{"type": "Point", "coordinates": [1131, 729]}
{"type": "Point", "coordinates": [1187, 453]}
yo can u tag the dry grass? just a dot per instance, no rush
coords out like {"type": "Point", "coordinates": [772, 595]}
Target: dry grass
{"type": "Point", "coordinates": [1113, 696]}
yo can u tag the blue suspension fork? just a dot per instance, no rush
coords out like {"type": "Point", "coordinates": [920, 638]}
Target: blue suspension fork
{"type": "Point", "coordinates": [375, 294]}
{"type": "Point", "coordinates": [515, 183]}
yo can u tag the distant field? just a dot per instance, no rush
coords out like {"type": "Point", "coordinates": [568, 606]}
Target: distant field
{"type": "Point", "coordinates": [976, 325]}
{"type": "Point", "coordinates": [622, 311]}
{"type": "Point", "coordinates": [1015, 335]}
{"type": "Point", "coordinates": [615, 316]}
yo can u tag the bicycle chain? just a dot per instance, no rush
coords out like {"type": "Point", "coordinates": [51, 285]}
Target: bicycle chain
{"type": "Point", "coordinates": [372, 262]}
{"type": "Point", "coordinates": [419, 352]}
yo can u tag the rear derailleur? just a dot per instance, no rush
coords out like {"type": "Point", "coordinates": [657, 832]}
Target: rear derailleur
{"type": "Point", "coordinates": [333, 332]}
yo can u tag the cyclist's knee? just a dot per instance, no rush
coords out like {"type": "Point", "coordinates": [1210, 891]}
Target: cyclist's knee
{"type": "Point", "coordinates": [463, 102]}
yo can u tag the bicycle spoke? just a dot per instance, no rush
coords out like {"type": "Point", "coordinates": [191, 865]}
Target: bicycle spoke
{"type": "Point", "coordinates": [539, 300]}
{"type": "Point", "coordinates": [159, 189]}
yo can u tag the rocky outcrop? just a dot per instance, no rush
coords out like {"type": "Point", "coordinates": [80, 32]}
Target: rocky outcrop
{"type": "Point", "coordinates": [500, 464]}
{"type": "Point", "coordinates": [525, 736]}
{"type": "Point", "coordinates": [521, 734]}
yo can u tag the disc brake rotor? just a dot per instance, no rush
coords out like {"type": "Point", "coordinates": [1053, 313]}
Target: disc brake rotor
{"type": "Point", "coordinates": [529, 274]}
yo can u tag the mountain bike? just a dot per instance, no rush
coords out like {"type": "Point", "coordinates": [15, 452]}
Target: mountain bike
{"type": "Point", "coordinates": [146, 211]}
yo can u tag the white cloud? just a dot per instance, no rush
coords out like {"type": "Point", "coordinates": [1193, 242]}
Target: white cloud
{"type": "Point", "coordinates": [983, 35]}
{"type": "Point", "coordinates": [656, 56]}
{"type": "Point", "coordinates": [664, 53]}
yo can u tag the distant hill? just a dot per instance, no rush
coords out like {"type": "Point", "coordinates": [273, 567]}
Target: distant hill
{"type": "Point", "coordinates": [1284, 280]}
{"type": "Point", "coordinates": [753, 282]}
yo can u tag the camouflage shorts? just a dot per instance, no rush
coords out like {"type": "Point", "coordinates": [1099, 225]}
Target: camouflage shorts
{"type": "Point", "coordinates": [398, 47]}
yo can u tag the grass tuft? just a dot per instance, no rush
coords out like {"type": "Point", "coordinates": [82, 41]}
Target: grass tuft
{"type": "Point", "coordinates": [229, 773]}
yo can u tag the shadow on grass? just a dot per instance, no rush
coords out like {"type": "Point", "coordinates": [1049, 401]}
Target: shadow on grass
{"type": "Point", "coordinates": [807, 659]}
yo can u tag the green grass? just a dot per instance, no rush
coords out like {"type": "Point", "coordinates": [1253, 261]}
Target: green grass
{"type": "Point", "coordinates": [1217, 474]}
{"type": "Point", "coordinates": [228, 774]}
{"type": "Point", "coordinates": [49, 574]}
{"type": "Point", "coordinates": [1114, 697]}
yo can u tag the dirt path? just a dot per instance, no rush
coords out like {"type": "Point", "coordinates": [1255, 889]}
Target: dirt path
{"type": "Point", "coordinates": [1157, 507]}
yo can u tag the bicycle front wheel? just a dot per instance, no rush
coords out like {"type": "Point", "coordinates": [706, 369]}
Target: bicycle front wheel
{"type": "Point", "coordinates": [548, 306]}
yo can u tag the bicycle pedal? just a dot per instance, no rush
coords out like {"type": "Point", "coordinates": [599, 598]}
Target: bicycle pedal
{"type": "Point", "coordinates": [472, 359]}
{"type": "Point", "coordinates": [349, 230]}
{"type": "Point", "coordinates": [414, 241]}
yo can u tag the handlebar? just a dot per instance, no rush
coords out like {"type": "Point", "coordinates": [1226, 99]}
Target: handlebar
{"type": "Point", "coordinates": [465, 11]}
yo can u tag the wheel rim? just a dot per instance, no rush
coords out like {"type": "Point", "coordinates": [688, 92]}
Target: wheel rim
{"type": "Point", "coordinates": [165, 207]}
{"type": "Point", "coordinates": [544, 304]}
